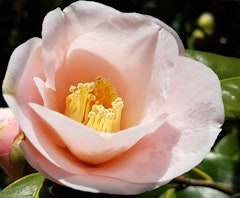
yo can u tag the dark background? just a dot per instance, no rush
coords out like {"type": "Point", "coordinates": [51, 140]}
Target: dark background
{"type": "Point", "coordinates": [22, 19]}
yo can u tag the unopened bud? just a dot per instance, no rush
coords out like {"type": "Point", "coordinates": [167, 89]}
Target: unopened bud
{"type": "Point", "coordinates": [12, 160]}
{"type": "Point", "coordinates": [207, 22]}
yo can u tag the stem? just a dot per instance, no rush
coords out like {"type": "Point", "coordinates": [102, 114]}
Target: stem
{"type": "Point", "coordinates": [195, 182]}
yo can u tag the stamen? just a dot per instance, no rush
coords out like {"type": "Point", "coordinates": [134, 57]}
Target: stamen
{"type": "Point", "coordinates": [96, 105]}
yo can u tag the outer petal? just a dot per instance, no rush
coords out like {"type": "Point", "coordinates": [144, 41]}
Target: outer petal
{"type": "Point", "coordinates": [195, 107]}
{"type": "Point", "coordinates": [85, 181]}
{"type": "Point", "coordinates": [89, 145]}
{"type": "Point", "coordinates": [18, 85]}
{"type": "Point", "coordinates": [144, 163]}
{"type": "Point", "coordinates": [172, 32]}
{"type": "Point", "coordinates": [164, 67]}
{"type": "Point", "coordinates": [147, 161]}
{"type": "Point", "coordinates": [61, 28]}
{"type": "Point", "coordinates": [78, 20]}
{"type": "Point", "coordinates": [24, 63]}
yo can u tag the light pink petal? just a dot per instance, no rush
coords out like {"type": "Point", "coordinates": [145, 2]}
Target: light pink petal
{"type": "Point", "coordinates": [123, 41]}
{"type": "Point", "coordinates": [24, 64]}
{"type": "Point", "coordinates": [61, 28]}
{"type": "Point", "coordinates": [49, 144]}
{"type": "Point", "coordinates": [134, 166]}
{"type": "Point", "coordinates": [36, 131]}
{"type": "Point", "coordinates": [5, 114]}
{"type": "Point", "coordinates": [19, 87]}
{"type": "Point", "coordinates": [78, 20]}
{"type": "Point", "coordinates": [86, 181]}
{"type": "Point", "coordinates": [53, 51]}
{"type": "Point", "coordinates": [164, 67]}
{"type": "Point", "coordinates": [172, 32]}
{"type": "Point", "coordinates": [47, 94]}
{"type": "Point", "coordinates": [89, 145]}
{"type": "Point", "coordinates": [195, 107]}
{"type": "Point", "coordinates": [147, 161]}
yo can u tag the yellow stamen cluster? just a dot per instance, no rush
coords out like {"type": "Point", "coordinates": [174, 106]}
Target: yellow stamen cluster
{"type": "Point", "coordinates": [96, 105]}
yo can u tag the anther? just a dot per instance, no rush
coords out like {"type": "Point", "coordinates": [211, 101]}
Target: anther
{"type": "Point", "coordinates": [96, 105]}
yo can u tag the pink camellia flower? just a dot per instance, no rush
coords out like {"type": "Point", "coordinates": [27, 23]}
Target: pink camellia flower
{"type": "Point", "coordinates": [109, 103]}
{"type": "Point", "coordinates": [11, 157]}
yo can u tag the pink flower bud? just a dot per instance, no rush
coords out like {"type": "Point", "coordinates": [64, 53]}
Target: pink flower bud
{"type": "Point", "coordinates": [9, 129]}
{"type": "Point", "coordinates": [11, 156]}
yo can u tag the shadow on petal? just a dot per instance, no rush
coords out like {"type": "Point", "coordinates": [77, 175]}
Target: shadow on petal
{"type": "Point", "coordinates": [147, 161]}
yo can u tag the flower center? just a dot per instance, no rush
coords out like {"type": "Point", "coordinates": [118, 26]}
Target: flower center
{"type": "Point", "coordinates": [96, 105]}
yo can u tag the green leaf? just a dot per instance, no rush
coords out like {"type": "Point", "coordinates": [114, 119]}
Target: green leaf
{"type": "Point", "coordinates": [236, 196]}
{"type": "Point", "coordinates": [228, 71]}
{"type": "Point", "coordinates": [200, 192]}
{"type": "Point", "coordinates": [157, 192]}
{"type": "Point", "coordinates": [26, 187]}
{"type": "Point", "coordinates": [231, 97]}
{"type": "Point", "coordinates": [5, 180]}
{"type": "Point", "coordinates": [229, 145]}
{"type": "Point", "coordinates": [221, 169]}
{"type": "Point", "coordinates": [225, 67]}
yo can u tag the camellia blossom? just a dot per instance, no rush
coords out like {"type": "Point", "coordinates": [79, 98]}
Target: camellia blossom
{"type": "Point", "coordinates": [109, 103]}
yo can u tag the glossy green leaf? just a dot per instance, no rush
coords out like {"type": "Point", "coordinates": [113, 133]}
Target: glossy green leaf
{"type": "Point", "coordinates": [231, 97]}
{"type": "Point", "coordinates": [200, 192]}
{"type": "Point", "coordinates": [26, 187]}
{"type": "Point", "coordinates": [225, 67]}
{"type": "Point", "coordinates": [229, 145]}
{"type": "Point", "coordinates": [222, 169]}
{"type": "Point", "coordinates": [193, 191]}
